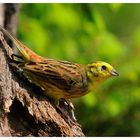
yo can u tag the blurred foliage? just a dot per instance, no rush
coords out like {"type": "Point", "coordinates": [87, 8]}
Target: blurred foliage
{"type": "Point", "coordinates": [84, 33]}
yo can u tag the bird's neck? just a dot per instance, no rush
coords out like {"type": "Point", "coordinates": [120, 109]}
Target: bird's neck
{"type": "Point", "coordinates": [93, 84]}
{"type": "Point", "coordinates": [94, 81]}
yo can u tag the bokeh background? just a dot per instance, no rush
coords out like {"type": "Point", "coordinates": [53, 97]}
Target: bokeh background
{"type": "Point", "coordinates": [84, 33]}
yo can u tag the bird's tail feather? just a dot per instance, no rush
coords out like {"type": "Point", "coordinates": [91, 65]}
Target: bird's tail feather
{"type": "Point", "coordinates": [27, 54]}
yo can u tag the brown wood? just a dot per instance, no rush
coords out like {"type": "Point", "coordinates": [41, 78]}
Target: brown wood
{"type": "Point", "coordinates": [24, 109]}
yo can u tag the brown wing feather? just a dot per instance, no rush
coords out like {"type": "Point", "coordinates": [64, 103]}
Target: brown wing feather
{"type": "Point", "coordinates": [64, 75]}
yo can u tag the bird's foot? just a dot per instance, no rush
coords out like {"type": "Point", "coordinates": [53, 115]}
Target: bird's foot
{"type": "Point", "coordinates": [66, 109]}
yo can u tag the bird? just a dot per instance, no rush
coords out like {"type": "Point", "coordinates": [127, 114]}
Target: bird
{"type": "Point", "coordinates": [58, 78]}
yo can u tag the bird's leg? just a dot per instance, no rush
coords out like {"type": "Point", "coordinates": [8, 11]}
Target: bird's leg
{"type": "Point", "coordinates": [18, 56]}
{"type": "Point", "coordinates": [13, 60]}
{"type": "Point", "coordinates": [57, 105]}
{"type": "Point", "coordinates": [70, 109]}
{"type": "Point", "coordinates": [62, 111]}
{"type": "Point", "coordinates": [67, 115]}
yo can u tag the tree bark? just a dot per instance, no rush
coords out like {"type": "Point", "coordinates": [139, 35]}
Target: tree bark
{"type": "Point", "coordinates": [24, 109]}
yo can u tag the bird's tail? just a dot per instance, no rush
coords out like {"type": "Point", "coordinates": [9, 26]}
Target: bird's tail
{"type": "Point", "coordinates": [27, 54]}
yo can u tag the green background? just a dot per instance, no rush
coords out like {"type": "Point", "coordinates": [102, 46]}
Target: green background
{"type": "Point", "coordinates": [84, 33]}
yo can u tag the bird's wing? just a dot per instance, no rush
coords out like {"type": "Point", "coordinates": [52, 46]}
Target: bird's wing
{"type": "Point", "coordinates": [62, 74]}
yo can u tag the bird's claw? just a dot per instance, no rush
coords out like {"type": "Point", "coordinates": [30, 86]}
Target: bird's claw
{"type": "Point", "coordinates": [67, 112]}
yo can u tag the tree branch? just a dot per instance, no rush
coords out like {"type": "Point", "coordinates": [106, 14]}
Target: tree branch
{"type": "Point", "coordinates": [25, 110]}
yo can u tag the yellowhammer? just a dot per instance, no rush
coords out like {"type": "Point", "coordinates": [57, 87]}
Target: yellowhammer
{"type": "Point", "coordinates": [61, 79]}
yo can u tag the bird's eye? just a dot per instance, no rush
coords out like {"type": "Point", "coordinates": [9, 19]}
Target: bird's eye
{"type": "Point", "coordinates": [103, 67]}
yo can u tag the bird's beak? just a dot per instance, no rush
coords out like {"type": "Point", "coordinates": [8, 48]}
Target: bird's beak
{"type": "Point", "coordinates": [114, 73]}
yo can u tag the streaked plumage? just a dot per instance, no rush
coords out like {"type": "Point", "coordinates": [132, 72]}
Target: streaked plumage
{"type": "Point", "coordinates": [62, 79]}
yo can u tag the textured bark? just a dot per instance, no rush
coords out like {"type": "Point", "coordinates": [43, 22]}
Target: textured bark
{"type": "Point", "coordinates": [24, 109]}
{"type": "Point", "coordinates": [10, 17]}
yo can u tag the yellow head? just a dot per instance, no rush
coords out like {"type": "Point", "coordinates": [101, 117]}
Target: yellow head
{"type": "Point", "coordinates": [100, 71]}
